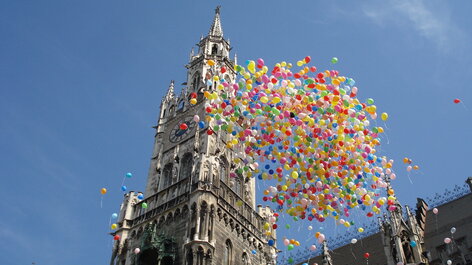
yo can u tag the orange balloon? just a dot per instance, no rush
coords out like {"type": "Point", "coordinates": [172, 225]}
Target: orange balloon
{"type": "Point", "coordinates": [103, 191]}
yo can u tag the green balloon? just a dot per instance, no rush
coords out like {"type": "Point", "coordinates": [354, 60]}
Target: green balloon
{"type": "Point", "coordinates": [290, 247]}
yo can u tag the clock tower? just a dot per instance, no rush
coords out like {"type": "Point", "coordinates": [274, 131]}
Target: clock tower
{"type": "Point", "coordinates": [198, 207]}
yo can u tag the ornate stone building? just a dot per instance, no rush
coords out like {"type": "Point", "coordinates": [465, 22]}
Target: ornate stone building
{"type": "Point", "coordinates": [404, 237]}
{"type": "Point", "coordinates": [196, 210]}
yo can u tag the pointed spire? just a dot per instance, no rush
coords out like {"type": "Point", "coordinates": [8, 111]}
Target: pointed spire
{"type": "Point", "coordinates": [192, 53]}
{"type": "Point", "coordinates": [170, 91]}
{"type": "Point", "coordinates": [326, 256]}
{"type": "Point", "coordinates": [235, 58]}
{"type": "Point", "coordinates": [216, 29]}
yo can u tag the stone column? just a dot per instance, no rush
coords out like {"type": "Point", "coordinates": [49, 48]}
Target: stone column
{"type": "Point", "coordinates": [197, 225]}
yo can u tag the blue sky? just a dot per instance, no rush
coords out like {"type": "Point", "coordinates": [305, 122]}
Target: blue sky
{"type": "Point", "coordinates": [81, 83]}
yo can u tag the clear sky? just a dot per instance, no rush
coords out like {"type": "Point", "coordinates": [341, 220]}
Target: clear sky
{"type": "Point", "coordinates": [81, 83]}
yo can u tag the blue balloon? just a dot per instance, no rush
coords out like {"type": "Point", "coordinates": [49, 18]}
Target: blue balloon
{"type": "Point", "coordinates": [129, 175]}
{"type": "Point", "coordinates": [140, 196]}
{"type": "Point", "coordinates": [270, 242]}
{"type": "Point", "coordinates": [413, 244]}
{"type": "Point", "coordinates": [123, 188]}
{"type": "Point", "coordinates": [114, 215]}
{"type": "Point", "coordinates": [201, 124]}
{"type": "Point", "coordinates": [254, 252]}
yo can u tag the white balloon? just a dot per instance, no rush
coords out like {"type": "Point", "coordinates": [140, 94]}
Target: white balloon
{"type": "Point", "coordinates": [449, 262]}
{"type": "Point", "coordinates": [453, 230]}
{"type": "Point", "coordinates": [353, 241]}
{"type": "Point", "coordinates": [137, 250]}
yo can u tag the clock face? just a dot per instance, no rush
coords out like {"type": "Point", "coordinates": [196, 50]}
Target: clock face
{"type": "Point", "coordinates": [178, 134]}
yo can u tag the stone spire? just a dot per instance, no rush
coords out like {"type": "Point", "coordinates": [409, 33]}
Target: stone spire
{"type": "Point", "coordinates": [326, 256]}
{"type": "Point", "coordinates": [216, 29]}
{"type": "Point", "coordinates": [170, 91]}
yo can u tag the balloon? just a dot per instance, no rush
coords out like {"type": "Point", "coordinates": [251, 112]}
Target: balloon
{"type": "Point", "coordinates": [334, 60]}
{"type": "Point", "coordinates": [310, 227]}
{"type": "Point", "coordinates": [409, 168]}
{"type": "Point", "coordinates": [353, 241]}
{"type": "Point", "coordinates": [366, 255]}
{"type": "Point", "coordinates": [183, 126]}
{"type": "Point", "coordinates": [413, 244]}
{"type": "Point", "coordinates": [254, 252]}
{"type": "Point", "coordinates": [449, 262]}
{"type": "Point", "coordinates": [114, 226]}
{"type": "Point", "coordinates": [435, 210]}
{"type": "Point", "coordinates": [103, 191]}
{"type": "Point", "coordinates": [136, 251]}
{"type": "Point", "coordinates": [144, 205]}
{"type": "Point", "coordinates": [271, 242]}
{"type": "Point", "coordinates": [123, 188]}
{"type": "Point", "coordinates": [447, 240]}
{"type": "Point", "coordinates": [290, 246]}
{"type": "Point", "coordinates": [140, 196]}
{"type": "Point", "coordinates": [196, 118]}
{"type": "Point", "coordinates": [457, 101]}
{"type": "Point", "coordinates": [114, 215]}
{"type": "Point", "coordinates": [453, 230]}
{"type": "Point", "coordinates": [193, 101]}
{"type": "Point", "coordinates": [384, 116]}
{"type": "Point", "coordinates": [416, 167]}
{"type": "Point", "coordinates": [129, 175]}
{"type": "Point", "coordinates": [117, 237]}
{"type": "Point", "coordinates": [360, 229]}
{"type": "Point", "coordinates": [312, 247]}
{"type": "Point", "coordinates": [211, 62]}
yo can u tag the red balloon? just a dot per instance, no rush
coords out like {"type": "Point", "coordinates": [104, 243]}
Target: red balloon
{"type": "Point", "coordinates": [457, 101]}
{"type": "Point", "coordinates": [117, 237]}
{"type": "Point", "coordinates": [366, 255]}
{"type": "Point", "coordinates": [193, 95]}
{"type": "Point", "coordinates": [183, 126]}
{"type": "Point", "coordinates": [209, 132]}
{"type": "Point", "coordinates": [223, 70]}
{"type": "Point", "coordinates": [307, 59]}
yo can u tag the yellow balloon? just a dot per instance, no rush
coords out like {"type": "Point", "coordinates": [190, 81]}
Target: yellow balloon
{"type": "Point", "coordinates": [211, 62]}
{"type": "Point", "coordinates": [193, 101]}
{"type": "Point", "coordinates": [113, 226]}
{"type": "Point", "coordinates": [384, 116]}
{"type": "Point", "coordinates": [103, 191]}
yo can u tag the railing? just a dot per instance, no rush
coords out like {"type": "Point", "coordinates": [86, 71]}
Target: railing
{"type": "Point", "coordinates": [448, 195]}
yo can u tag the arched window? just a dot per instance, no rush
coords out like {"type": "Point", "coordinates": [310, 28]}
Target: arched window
{"type": "Point", "coordinates": [196, 81]}
{"type": "Point", "coordinates": [181, 105]}
{"type": "Point", "coordinates": [214, 49]}
{"type": "Point", "coordinates": [237, 186]}
{"type": "Point", "coordinates": [167, 176]}
{"type": "Point", "coordinates": [223, 170]}
{"type": "Point", "coordinates": [227, 253]}
{"type": "Point", "coordinates": [245, 259]}
{"type": "Point", "coordinates": [186, 168]}
{"type": "Point", "coordinates": [200, 254]}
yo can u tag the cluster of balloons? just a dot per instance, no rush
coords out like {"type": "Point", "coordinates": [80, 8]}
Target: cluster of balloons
{"type": "Point", "coordinates": [307, 130]}
{"type": "Point", "coordinates": [408, 161]}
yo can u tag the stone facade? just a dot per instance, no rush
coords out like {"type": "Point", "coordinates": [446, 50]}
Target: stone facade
{"type": "Point", "coordinates": [425, 227]}
{"type": "Point", "coordinates": [195, 210]}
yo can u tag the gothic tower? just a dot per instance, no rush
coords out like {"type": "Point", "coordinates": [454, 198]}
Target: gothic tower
{"type": "Point", "coordinates": [198, 208]}
{"type": "Point", "coordinates": [403, 234]}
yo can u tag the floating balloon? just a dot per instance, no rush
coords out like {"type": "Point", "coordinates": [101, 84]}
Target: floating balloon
{"type": "Point", "coordinates": [366, 255]}
{"type": "Point", "coordinates": [114, 215]}
{"type": "Point", "coordinates": [384, 116]}
{"type": "Point", "coordinates": [123, 188]}
{"type": "Point", "coordinates": [447, 240]}
{"type": "Point", "coordinates": [113, 226]}
{"type": "Point", "coordinates": [136, 251]}
{"type": "Point", "coordinates": [144, 205]}
{"type": "Point", "coordinates": [117, 237]}
{"type": "Point", "coordinates": [129, 175]}
{"type": "Point", "coordinates": [413, 244]}
{"type": "Point", "coordinates": [449, 262]}
{"type": "Point", "coordinates": [435, 210]}
{"type": "Point", "coordinates": [334, 60]}
{"type": "Point", "coordinates": [453, 230]}
{"type": "Point", "coordinates": [270, 242]}
{"type": "Point", "coordinates": [457, 101]}
{"type": "Point", "coordinates": [140, 196]}
{"type": "Point", "coordinates": [254, 252]}
{"type": "Point", "coordinates": [103, 191]}
{"type": "Point", "coordinates": [353, 241]}
{"type": "Point", "coordinates": [312, 247]}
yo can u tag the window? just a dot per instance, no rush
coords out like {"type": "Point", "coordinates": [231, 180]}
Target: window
{"type": "Point", "coordinates": [167, 176]}
{"type": "Point", "coordinates": [223, 170]}
{"type": "Point", "coordinates": [189, 258]}
{"type": "Point", "coordinates": [186, 168]}
{"type": "Point", "coordinates": [227, 253]}
{"type": "Point", "coordinates": [196, 81]}
{"type": "Point", "coordinates": [181, 105]}
{"type": "Point", "coordinates": [214, 49]}
{"type": "Point", "coordinates": [237, 186]}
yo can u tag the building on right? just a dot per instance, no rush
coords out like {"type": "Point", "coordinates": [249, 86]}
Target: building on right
{"type": "Point", "coordinates": [438, 232]}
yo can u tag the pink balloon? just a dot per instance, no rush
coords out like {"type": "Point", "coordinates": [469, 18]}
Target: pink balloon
{"type": "Point", "coordinates": [137, 250]}
{"type": "Point", "coordinates": [312, 247]}
{"type": "Point", "coordinates": [435, 210]}
{"type": "Point", "coordinates": [409, 168]}
{"type": "Point", "coordinates": [447, 240]}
